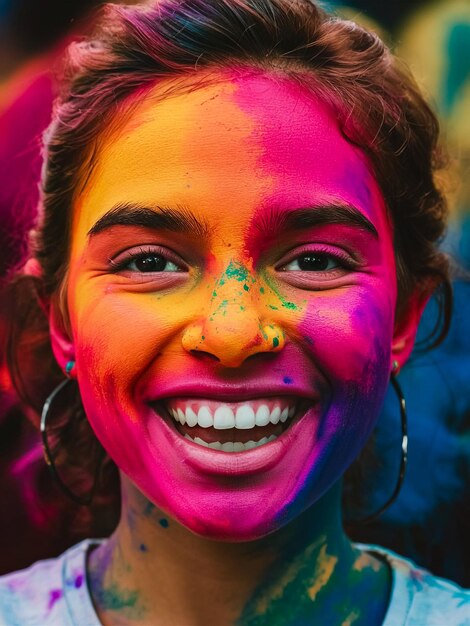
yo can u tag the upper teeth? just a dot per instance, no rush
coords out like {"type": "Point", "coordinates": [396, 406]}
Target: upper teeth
{"type": "Point", "coordinates": [222, 416]}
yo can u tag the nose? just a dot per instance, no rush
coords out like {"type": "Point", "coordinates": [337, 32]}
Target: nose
{"type": "Point", "coordinates": [232, 329]}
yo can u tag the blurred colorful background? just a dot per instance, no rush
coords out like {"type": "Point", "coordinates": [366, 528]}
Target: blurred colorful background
{"type": "Point", "coordinates": [429, 521]}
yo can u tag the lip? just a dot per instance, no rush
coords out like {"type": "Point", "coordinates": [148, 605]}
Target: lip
{"type": "Point", "coordinates": [221, 392]}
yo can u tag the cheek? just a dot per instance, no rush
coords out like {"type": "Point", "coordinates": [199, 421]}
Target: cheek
{"type": "Point", "coordinates": [349, 334]}
{"type": "Point", "coordinates": [117, 335]}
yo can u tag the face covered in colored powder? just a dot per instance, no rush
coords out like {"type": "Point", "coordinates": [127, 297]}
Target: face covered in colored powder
{"type": "Point", "coordinates": [231, 296]}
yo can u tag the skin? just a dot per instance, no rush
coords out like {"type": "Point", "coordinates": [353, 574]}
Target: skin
{"type": "Point", "coordinates": [233, 311]}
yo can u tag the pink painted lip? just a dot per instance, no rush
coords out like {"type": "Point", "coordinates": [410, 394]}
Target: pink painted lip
{"type": "Point", "coordinates": [223, 392]}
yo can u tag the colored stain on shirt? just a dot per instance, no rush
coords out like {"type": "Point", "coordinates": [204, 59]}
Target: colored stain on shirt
{"type": "Point", "coordinates": [54, 596]}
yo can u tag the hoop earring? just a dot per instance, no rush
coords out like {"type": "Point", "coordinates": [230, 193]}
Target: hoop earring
{"type": "Point", "coordinates": [404, 455]}
{"type": "Point", "coordinates": [81, 500]}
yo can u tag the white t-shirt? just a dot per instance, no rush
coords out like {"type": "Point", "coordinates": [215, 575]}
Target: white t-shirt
{"type": "Point", "coordinates": [55, 593]}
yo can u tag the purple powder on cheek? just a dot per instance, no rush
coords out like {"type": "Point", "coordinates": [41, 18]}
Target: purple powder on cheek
{"type": "Point", "coordinates": [78, 581]}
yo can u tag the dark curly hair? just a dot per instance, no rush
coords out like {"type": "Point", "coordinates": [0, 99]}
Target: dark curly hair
{"type": "Point", "coordinates": [377, 104]}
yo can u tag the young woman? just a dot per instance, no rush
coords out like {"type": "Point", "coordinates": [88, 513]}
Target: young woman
{"type": "Point", "coordinates": [238, 238]}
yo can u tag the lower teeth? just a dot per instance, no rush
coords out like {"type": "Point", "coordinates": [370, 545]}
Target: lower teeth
{"type": "Point", "coordinates": [231, 446]}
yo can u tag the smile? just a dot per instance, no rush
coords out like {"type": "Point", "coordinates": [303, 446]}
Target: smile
{"type": "Point", "coordinates": [232, 426]}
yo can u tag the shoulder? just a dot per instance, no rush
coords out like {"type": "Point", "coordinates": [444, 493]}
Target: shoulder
{"type": "Point", "coordinates": [44, 593]}
{"type": "Point", "coordinates": [420, 599]}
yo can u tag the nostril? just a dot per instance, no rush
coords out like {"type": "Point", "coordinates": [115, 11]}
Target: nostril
{"type": "Point", "coordinates": [203, 353]}
{"type": "Point", "coordinates": [262, 355]}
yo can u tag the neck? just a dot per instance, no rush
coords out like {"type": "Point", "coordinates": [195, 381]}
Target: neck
{"type": "Point", "coordinates": [153, 570]}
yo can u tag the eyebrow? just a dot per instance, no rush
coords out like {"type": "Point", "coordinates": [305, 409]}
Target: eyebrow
{"type": "Point", "coordinates": [277, 221]}
{"type": "Point", "coordinates": [179, 219]}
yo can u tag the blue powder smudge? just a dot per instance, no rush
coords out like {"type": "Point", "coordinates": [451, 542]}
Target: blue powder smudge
{"type": "Point", "coordinates": [78, 581]}
{"type": "Point", "coordinates": [143, 547]}
{"type": "Point", "coordinates": [149, 509]}
{"type": "Point", "coordinates": [163, 523]}
{"type": "Point", "coordinates": [287, 380]}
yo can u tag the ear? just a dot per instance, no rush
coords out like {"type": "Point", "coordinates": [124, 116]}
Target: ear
{"type": "Point", "coordinates": [406, 327]}
{"type": "Point", "coordinates": [61, 339]}
{"type": "Point", "coordinates": [55, 311]}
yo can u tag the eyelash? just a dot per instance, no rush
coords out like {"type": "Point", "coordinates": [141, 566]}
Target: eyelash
{"type": "Point", "coordinates": [342, 259]}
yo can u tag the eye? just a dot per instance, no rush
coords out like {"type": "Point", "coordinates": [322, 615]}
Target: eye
{"type": "Point", "coordinates": [313, 262]}
{"type": "Point", "coordinates": [317, 267]}
{"type": "Point", "coordinates": [151, 263]}
{"type": "Point", "coordinates": [146, 261]}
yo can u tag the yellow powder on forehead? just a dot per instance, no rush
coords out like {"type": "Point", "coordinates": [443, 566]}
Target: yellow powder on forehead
{"type": "Point", "coordinates": [170, 151]}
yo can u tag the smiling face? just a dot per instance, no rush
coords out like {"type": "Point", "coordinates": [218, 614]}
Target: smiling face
{"type": "Point", "coordinates": [231, 268]}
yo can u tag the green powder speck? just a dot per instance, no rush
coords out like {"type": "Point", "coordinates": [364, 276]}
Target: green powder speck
{"type": "Point", "coordinates": [275, 342]}
{"type": "Point", "coordinates": [290, 305]}
{"type": "Point", "coordinates": [236, 271]}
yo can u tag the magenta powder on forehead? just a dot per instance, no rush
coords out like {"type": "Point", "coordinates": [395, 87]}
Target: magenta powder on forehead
{"type": "Point", "coordinates": [282, 131]}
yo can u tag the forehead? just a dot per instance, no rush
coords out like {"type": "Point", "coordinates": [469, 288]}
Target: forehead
{"type": "Point", "coordinates": [245, 141]}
